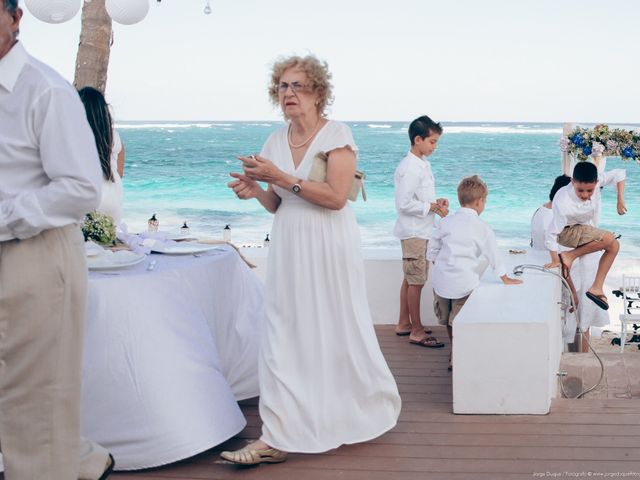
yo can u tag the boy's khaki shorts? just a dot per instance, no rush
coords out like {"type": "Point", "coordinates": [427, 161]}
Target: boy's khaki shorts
{"type": "Point", "coordinates": [574, 236]}
{"type": "Point", "coordinates": [446, 309]}
{"type": "Point", "coordinates": [414, 260]}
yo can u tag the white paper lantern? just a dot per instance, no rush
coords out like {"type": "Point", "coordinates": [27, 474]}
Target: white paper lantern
{"type": "Point", "coordinates": [127, 12]}
{"type": "Point", "coordinates": [53, 11]}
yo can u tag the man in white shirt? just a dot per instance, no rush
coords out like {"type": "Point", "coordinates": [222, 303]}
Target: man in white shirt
{"type": "Point", "coordinates": [417, 206]}
{"type": "Point", "coordinates": [50, 177]}
{"type": "Point", "coordinates": [460, 248]}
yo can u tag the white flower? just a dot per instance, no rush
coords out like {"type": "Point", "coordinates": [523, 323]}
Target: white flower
{"type": "Point", "coordinates": [597, 149]}
{"type": "Point", "coordinates": [564, 142]}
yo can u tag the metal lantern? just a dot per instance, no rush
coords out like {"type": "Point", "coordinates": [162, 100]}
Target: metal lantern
{"type": "Point", "coordinates": [127, 12]}
{"type": "Point", "coordinates": [53, 11]}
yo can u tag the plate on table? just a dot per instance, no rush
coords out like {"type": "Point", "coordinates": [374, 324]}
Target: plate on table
{"type": "Point", "coordinates": [109, 260]}
{"type": "Point", "coordinates": [180, 237]}
{"type": "Point", "coordinates": [183, 248]}
{"type": "Point", "coordinates": [168, 235]}
{"type": "Point", "coordinates": [92, 249]}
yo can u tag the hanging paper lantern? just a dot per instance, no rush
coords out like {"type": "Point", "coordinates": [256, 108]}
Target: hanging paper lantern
{"type": "Point", "coordinates": [127, 12]}
{"type": "Point", "coordinates": [53, 11]}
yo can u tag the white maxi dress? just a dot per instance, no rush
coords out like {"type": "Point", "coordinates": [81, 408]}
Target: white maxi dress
{"type": "Point", "coordinates": [323, 379]}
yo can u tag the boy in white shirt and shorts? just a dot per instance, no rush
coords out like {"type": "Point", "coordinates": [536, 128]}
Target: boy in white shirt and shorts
{"type": "Point", "coordinates": [417, 206]}
{"type": "Point", "coordinates": [573, 225]}
{"type": "Point", "coordinates": [460, 248]}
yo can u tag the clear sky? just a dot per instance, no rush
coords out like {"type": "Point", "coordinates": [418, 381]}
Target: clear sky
{"type": "Point", "coordinates": [455, 60]}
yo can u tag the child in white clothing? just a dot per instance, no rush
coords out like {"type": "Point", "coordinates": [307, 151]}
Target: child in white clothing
{"type": "Point", "coordinates": [460, 248]}
{"type": "Point", "coordinates": [417, 206]}
{"type": "Point", "coordinates": [575, 212]}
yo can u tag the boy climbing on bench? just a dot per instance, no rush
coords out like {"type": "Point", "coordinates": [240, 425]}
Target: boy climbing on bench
{"type": "Point", "coordinates": [574, 214]}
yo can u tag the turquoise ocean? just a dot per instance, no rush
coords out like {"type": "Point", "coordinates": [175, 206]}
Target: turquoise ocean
{"type": "Point", "coordinates": [179, 171]}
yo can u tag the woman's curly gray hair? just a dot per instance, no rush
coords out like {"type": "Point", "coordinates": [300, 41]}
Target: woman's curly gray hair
{"type": "Point", "coordinates": [317, 73]}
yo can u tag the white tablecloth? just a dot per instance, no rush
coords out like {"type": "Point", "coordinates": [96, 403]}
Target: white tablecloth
{"type": "Point", "coordinates": [167, 354]}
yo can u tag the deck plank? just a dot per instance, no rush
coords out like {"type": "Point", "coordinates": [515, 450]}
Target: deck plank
{"type": "Point", "coordinates": [600, 434]}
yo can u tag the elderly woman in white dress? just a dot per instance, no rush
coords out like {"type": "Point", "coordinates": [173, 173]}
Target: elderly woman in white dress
{"type": "Point", "coordinates": [323, 379]}
{"type": "Point", "coordinates": [110, 151]}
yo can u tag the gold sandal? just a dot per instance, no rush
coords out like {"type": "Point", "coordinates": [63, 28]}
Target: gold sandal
{"type": "Point", "coordinates": [253, 456]}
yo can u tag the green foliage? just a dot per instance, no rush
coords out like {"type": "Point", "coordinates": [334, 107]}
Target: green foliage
{"type": "Point", "coordinates": [99, 228]}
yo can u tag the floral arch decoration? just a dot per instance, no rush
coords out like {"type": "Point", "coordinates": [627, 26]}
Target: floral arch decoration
{"type": "Point", "coordinates": [601, 141]}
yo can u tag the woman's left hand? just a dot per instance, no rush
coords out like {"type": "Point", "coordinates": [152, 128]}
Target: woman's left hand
{"type": "Point", "coordinates": [260, 169]}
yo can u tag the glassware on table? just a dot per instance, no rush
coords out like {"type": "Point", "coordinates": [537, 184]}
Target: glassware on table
{"type": "Point", "coordinates": [153, 223]}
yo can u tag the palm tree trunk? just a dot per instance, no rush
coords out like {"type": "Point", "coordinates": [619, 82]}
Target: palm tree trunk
{"type": "Point", "coordinates": [92, 61]}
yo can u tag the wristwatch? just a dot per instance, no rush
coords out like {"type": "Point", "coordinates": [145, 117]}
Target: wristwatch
{"type": "Point", "coordinates": [296, 187]}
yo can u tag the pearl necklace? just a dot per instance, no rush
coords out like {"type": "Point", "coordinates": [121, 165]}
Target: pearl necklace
{"type": "Point", "coordinates": [315, 130]}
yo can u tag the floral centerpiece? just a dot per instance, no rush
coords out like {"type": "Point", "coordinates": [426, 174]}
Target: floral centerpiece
{"type": "Point", "coordinates": [602, 141]}
{"type": "Point", "coordinates": [99, 228]}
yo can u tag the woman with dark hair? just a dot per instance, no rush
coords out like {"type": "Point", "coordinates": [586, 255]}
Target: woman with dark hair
{"type": "Point", "coordinates": [110, 151]}
{"type": "Point", "coordinates": [543, 215]}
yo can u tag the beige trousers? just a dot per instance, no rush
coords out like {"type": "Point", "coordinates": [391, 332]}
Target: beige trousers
{"type": "Point", "coordinates": [43, 282]}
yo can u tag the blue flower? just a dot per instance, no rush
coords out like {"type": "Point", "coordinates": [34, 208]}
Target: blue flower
{"type": "Point", "coordinates": [628, 152]}
{"type": "Point", "coordinates": [587, 150]}
{"type": "Point", "coordinates": [577, 140]}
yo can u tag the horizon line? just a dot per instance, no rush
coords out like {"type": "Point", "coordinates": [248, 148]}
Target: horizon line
{"type": "Point", "coordinates": [528, 122]}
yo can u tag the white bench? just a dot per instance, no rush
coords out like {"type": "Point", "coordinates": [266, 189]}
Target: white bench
{"type": "Point", "coordinates": [507, 343]}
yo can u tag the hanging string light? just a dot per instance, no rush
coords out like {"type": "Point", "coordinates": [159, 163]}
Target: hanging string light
{"type": "Point", "coordinates": [53, 11]}
{"type": "Point", "coordinates": [126, 12]}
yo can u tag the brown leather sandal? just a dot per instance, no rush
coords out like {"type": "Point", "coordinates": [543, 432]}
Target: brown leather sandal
{"type": "Point", "coordinates": [429, 342]}
{"type": "Point", "coordinates": [253, 456]}
{"type": "Point", "coordinates": [111, 463]}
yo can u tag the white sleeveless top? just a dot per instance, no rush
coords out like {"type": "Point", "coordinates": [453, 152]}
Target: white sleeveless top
{"type": "Point", "coordinates": [112, 192]}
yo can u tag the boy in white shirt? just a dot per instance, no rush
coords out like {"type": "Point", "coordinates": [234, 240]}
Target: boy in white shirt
{"type": "Point", "coordinates": [417, 207]}
{"type": "Point", "coordinates": [575, 213]}
{"type": "Point", "coordinates": [460, 248]}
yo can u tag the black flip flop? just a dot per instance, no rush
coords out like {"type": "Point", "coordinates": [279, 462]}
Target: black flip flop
{"type": "Point", "coordinates": [109, 469]}
{"type": "Point", "coordinates": [564, 270]}
{"type": "Point", "coordinates": [404, 334]}
{"type": "Point", "coordinates": [599, 300]}
{"type": "Point", "coordinates": [566, 274]}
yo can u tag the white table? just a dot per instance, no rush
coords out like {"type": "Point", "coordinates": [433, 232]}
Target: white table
{"type": "Point", "coordinates": [167, 355]}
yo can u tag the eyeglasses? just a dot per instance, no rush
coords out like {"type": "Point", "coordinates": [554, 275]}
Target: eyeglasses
{"type": "Point", "coordinates": [295, 86]}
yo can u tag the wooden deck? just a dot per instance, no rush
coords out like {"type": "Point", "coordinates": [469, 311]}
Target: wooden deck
{"type": "Point", "coordinates": [597, 436]}
{"type": "Point", "coordinates": [600, 435]}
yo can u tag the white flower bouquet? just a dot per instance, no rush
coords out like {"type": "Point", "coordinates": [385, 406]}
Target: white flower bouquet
{"type": "Point", "coordinates": [99, 228]}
